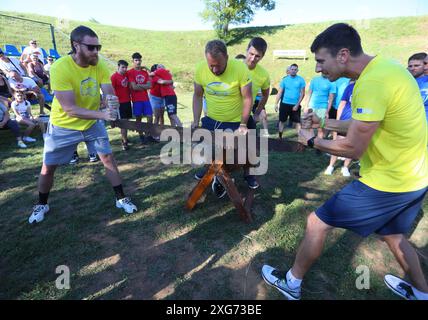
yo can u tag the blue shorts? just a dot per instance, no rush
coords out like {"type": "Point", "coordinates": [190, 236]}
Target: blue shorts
{"type": "Point", "coordinates": [156, 102]}
{"type": "Point", "coordinates": [60, 143]}
{"type": "Point", "coordinates": [142, 108]}
{"type": "Point", "coordinates": [211, 124]}
{"type": "Point", "coordinates": [364, 210]}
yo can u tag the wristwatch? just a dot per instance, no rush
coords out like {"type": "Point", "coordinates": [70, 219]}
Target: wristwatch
{"type": "Point", "coordinates": [311, 142]}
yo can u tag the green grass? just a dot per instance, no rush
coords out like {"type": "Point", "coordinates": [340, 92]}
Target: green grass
{"type": "Point", "coordinates": [163, 251]}
{"type": "Point", "coordinates": [397, 38]}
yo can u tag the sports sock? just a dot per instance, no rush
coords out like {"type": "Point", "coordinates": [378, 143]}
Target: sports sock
{"type": "Point", "coordinates": [292, 281]}
{"type": "Point", "coordinates": [118, 190]}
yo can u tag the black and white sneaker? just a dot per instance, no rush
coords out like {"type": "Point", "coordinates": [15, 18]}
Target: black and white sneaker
{"type": "Point", "coordinates": [200, 174]}
{"type": "Point", "coordinates": [75, 159]}
{"type": "Point", "coordinates": [218, 188]}
{"type": "Point", "coordinates": [93, 157]}
{"type": "Point", "coordinates": [400, 287]}
{"type": "Point", "coordinates": [252, 182]}
{"type": "Point", "coordinates": [273, 278]}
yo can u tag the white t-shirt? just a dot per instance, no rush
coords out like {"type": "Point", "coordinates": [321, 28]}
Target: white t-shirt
{"type": "Point", "coordinates": [47, 67]}
{"type": "Point", "coordinates": [26, 84]}
{"type": "Point", "coordinates": [12, 65]}
{"type": "Point", "coordinates": [21, 108]}
{"type": "Point", "coordinates": [30, 50]}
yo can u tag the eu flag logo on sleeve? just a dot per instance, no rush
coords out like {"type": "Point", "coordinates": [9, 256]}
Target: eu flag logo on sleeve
{"type": "Point", "coordinates": [364, 111]}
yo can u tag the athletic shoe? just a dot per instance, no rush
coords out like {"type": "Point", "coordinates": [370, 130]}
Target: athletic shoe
{"type": "Point", "coordinates": [93, 157]}
{"type": "Point", "coordinates": [28, 139]}
{"type": "Point", "coordinates": [252, 182]}
{"type": "Point", "coordinates": [150, 139]}
{"type": "Point", "coordinates": [21, 144]}
{"type": "Point", "coordinates": [329, 171]}
{"type": "Point", "coordinates": [125, 146]}
{"type": "Point", "coordinates": [200, 174]}
{"type": "Point", "coordinates": [274, 278]}
{"type": "Point", "coordinates": [345, 172]}
{"type": "Point", "coordinates": [75, 159]}
{"type": "Point", "coordinates": [218, 188]}
{"type": "Point", "coordinates": [38, 213]}
{"type": "Point", "coordinates": [400, 287]}
{"type": "Point", "coordinates": [126, 205]}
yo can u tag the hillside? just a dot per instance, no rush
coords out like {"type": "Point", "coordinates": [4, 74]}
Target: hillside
{"type": "Point", "coordinates": [396, 38]}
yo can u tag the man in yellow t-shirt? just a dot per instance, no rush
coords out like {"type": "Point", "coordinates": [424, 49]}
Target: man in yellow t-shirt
{"type": "Point", "coordinates": [226, 85]}
{"type": "Point", "coordinates": [256, 50]}
{"type": "Point", "coordinates": [389, 136]}
{"type": "Point", "coordinates": [75, 117]}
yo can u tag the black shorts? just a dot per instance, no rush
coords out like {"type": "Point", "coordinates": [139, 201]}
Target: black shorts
{"type": "Point", "coordinates": [171, 104]}
{"type": "Point", "coordinates": [332, 113]}
{"type": "Point", "coordinates": [286, 112]}
{"type": "Point", "coordinates": [125, 110]}
{"type": "Point", "coordinates": [251, 124]}
{"type": "Point", "coordinates": [255, 105]}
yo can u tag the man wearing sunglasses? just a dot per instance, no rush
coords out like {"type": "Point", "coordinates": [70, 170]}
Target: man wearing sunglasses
{"type": "Point", "coordinates": [75, 117]}
{"type": "Point", "coordinates": [32, 49]}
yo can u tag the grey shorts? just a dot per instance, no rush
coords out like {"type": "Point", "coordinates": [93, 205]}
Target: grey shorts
{"type": "Point", "coordinates": [60, 143]}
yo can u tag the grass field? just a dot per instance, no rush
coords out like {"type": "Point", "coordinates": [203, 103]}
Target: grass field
{"type": "Point", "coordinates": [397, 38]}
{"type": "Point", "coordinates": [163, 251]}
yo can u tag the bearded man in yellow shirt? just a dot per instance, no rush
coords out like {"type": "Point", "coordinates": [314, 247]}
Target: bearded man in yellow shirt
{"type": "Point", "coordinates": [388, 134]}
{"type": "Point", "coordinates": [77, 80]}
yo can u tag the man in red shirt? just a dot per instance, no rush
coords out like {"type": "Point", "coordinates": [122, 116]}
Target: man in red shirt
{"type": "Point", "coordinates": [164, 78]}
{"type": "Point", "coordinates": [120, 83]}
{"type": "Point", "coordinates": [139, 84]}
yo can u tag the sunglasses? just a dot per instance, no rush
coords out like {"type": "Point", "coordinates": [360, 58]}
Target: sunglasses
{"type": "Point", "coordinates": [33, 43]}
{"type": "Point", "coordinates": [92, 47]}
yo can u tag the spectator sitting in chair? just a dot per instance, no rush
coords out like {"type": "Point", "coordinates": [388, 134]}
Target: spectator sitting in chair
{"type": "Point", "coordinates": [48, 65]}
{"type": "Point", "coordinates": [36, 71]}
{"type": "Point", "coordinates": [8, 65]}
{"type": "Point", "coordinates": [5, 91]}
{"type": "Point", "coordinates": [12, 125]}
{"type": "Point", "coordinates": [27, 85]}
{"type": "Point", "coordinates": [22, 110]}
{"type": "Point", "coordinates": [32, 49]}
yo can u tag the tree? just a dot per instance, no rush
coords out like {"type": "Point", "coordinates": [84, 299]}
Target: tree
{"type": "Point", "coordinates": [226, 12]}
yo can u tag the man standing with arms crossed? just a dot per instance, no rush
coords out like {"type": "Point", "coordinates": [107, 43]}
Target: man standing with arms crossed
{"type": "Point", "coordinates": [388, 134]}
{"type": "Point", "coordinates": [139, 80]}
{"type": "Point", "coordinates": [75, 117]}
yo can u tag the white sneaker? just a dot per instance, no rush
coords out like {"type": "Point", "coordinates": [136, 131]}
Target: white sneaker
{"type": "Point", "coordinates": [38, 213]}
{"type": "Point", "coordinates": [400, 287]}
{"type": "Point", "coordinates": [21, 144]}
{"type": "Point", "coordinates": [329, 171]}
{"type": "Point", "coordinates": [345, 172]}
{"type": "Point", "coordinates": [29, 139]}
{"type": "Point", "coordinates": [126, 205]}
{"type": "Point", "coordinates": [277, 280]}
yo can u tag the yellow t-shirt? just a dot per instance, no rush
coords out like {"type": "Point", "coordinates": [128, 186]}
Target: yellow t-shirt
{"type": "Point", "coordinates": [396, 159]}
{"type": "Point", "coordinates": [223, 93]}
{"type": "Point", "coordinates": [66, 75]}
{"type": "Point", "coordinates": [260, 79]}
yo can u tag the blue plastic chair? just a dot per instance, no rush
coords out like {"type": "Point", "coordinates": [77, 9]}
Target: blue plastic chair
{"type": "Point", "coordinates": [45, 54]}
{"type": "Point", "coordinates": [54, 53]}
{"type": "Point", "coordinates": [11, 50]}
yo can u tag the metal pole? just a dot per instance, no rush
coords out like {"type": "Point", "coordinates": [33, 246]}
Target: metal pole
{"type": "Point", "coordinates": [53, 37]}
